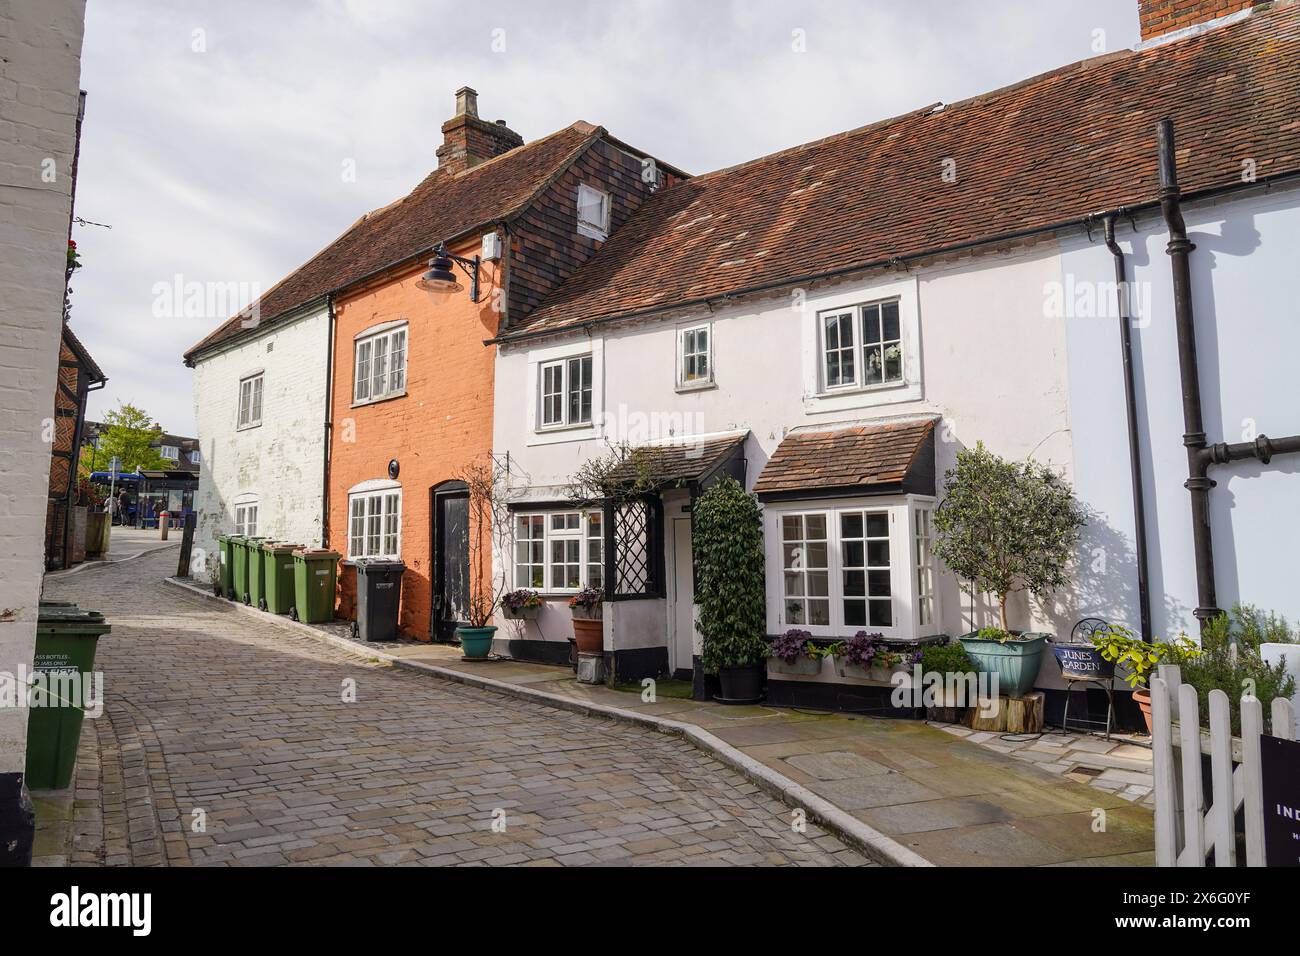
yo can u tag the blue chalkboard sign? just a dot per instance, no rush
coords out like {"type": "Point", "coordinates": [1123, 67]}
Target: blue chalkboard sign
{"type": "Point", "coordinates": [1281, 772]}
{"type": "Point", "coordinates": [1082, 662]}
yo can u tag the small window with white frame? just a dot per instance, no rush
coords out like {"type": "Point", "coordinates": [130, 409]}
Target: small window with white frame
{"type": "Point", "coordinates": [250, 401]}
{"type": "Point", "coordinates": [924, 533]}
{"type": "Point", "coordinates": [561, 551]}
{"type": "Point", "coordinates": [565, 386]}
{"type": "Point", "coordinates": [171, 452]}
{"type": "Point", "coordinates": [593, 212]}
{"type": "Point", "coordinates": [379, 368]}
{"type": "Point", "coordinates": [862, 346]}
{"type": "Point", "coordinates": [695, 356]}
{"type": "Point", "coordinates": [375, 524]}
{"type": "Point", "coordinates": [246, 518]}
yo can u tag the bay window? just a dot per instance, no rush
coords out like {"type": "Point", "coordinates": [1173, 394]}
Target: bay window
{"type": "Point", "coordinates": [839, 566]}
{"type": "Point", "coordinates": [559, 551]}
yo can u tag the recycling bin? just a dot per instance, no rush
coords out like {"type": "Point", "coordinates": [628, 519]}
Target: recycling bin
{"type": "Point", "coordinates": [226, 564]}
{"type": "Point", "coordinates": [238, 567]}
{"type": "Point", "coordinates": [313, 585]}
{"type": "Point", "coordinates": [379, 595]}
{"type": "Point", "coordinates": [256, 551]}
{"type": "Point", "coordinates": [62, 686]}
{"type": "Point", "coordinates": [277, 572]}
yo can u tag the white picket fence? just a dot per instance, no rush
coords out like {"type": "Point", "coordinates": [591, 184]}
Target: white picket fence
{"type": "Point", "coordinates": [1188, 831]}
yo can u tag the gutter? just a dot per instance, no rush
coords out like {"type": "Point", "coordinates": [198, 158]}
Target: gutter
{"type": "Point", "coordinates": [1200, 456]}
{"type": "Point", "coordinates": [1080, 222]}
{"type": "Point", "coordinates": [1130, 414]}
{"type": "Point", "coordinates": [331, 322]}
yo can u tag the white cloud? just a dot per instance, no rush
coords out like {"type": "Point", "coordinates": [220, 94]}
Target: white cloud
{"type": "Point", "coordinates": [226, 165]}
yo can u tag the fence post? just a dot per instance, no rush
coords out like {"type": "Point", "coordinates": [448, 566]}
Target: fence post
{"type": "Point", "coordinates": [1189, 732]}
{"type": "Point", "coordinates": [1283, 718]}
{"type": "Point", "coordinates": [1224, 805]}
{"type": "Point", "coordinates": [1252, 725]}
{"type": "Point", "coordinates": [1163, 772]}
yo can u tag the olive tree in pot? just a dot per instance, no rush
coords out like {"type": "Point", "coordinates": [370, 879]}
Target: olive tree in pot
{"type": "Point", "coordinates": [728, 543]}
{"type": "Point", "coordinates": [490, 528]}
{"type": "Point", "coordinates": [1006, 526]}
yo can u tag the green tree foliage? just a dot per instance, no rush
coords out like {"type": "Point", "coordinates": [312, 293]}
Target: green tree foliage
{"type": "Point", "coordinates": [728, 544]}
{"type": "Point", "coordinates": [128, 435]}
{"type": "Point", "coordinates": [1006, 526]}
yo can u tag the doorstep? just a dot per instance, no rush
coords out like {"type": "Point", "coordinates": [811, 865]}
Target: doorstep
{"type": "Point", "coordinates": [902, 792]}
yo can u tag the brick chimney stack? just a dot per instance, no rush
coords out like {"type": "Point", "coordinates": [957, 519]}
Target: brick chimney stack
{"type": "Point", "coordinates": [1160, 17]}
{"type": "Point", "coordinates": [468, 140]}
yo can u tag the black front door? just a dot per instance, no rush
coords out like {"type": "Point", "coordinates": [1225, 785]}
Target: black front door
{"type": "Point", "coordinates": [450, 558]}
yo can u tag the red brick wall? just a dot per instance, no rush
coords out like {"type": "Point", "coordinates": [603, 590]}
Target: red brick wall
{"type": "Point", "coordinates": [1158, 17]}
{"type": "Point", "coordinates": [442, 422]}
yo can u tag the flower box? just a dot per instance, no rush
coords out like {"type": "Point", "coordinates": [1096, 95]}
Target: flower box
{"type": "Point", "coordinates": [522, 614]}
{"type": "Point", "coordinates": [803, 665]}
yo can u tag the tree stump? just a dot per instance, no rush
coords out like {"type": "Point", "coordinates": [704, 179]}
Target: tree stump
{"type": "Point", "coordinates": [1015, 715]}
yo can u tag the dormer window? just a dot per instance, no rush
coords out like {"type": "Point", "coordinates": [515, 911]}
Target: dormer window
{"type": "Point", "coordinates": [171, 452]}
{"type": "Point", "coordinates": [593, 212]}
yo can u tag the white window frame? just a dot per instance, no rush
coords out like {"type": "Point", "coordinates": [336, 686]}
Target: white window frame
{"type": "Point", "coordinates": [246, 515]}
{"type": "Point", "coordinates": [904, 585]}
{"type": "Point", "coordinates": [689, 334]}
{"type": "Point", "coordinates": [170, 452]}
{"type": "Point", "coordinates": [588, 530]}
{"type": "Point", "coordinates": [589, 197]}
{"type": "Point", "coordinates": [923, 558]}
{"type": "Point", "coordinates": [249, 414]}
{"type": "Point", "coordinates": [864, 316]}
{"type": "Point", "coordinates": [195, 457]}
{"type": "Point", "coordinates": [395, 341]}
{"type": "Point", "coordinates": [565, 394]}
{"type": "Point", "coordinates": [375, 523]}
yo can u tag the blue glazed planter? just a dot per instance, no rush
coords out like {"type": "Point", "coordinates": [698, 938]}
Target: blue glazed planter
{"type": "Point", "coordinates": [1015, 662]}
{"type": "Point", "coordinates": [476, 642]}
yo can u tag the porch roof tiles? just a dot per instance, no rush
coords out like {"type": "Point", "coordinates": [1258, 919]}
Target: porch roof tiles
{"type": "Point", "coordinates": [1044, 152]}
{"type": "Point", "coordinates": [681, 462]}
{"type": "Point", "coordinates": [881, 456]}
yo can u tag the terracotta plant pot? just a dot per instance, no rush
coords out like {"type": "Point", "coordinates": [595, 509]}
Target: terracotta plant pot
{"type": "Point", "coordinates": [1142, 697]}
{"type": "Point", "coordinates": [589, 634]}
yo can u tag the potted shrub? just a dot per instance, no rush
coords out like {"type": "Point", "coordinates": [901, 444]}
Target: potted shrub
{"type": "Point", "coordinates": [1003, 527]}
{"type": "Point", "coordinates": [1121, 647]}
{"type": "Point", "coordinates": [588, 623]}
{"type": "Point", "coordinates": [794, 653]}
{"type": "Point", "coordinates": [490, 524]}
{"type": "Point", "coordinates": [952, 662]}
{"type": "Point", "coordinates": [523, 604]}
{"type": "Point", "coordinates": [728, 542]}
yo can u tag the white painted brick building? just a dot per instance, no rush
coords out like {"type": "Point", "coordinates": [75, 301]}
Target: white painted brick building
{"type": "Point", "coordinates": [263, 446]}
{"type": "Point", "coordinates": [40, 73]}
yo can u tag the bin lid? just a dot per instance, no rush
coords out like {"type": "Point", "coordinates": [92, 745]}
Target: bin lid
{"type": "Point", "coordinates": [63, 618]}
{"type": "Point", "coordinates": [316, 554]}
{"type": "Point", "coordinates": [365, 565]}
{"type": "Point", "coordinates": [280, 546]}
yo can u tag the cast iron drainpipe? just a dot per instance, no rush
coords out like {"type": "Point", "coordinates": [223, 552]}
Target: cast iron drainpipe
{"type": "Point", "coordinates": [1199, 455]}
{"type": "Point", "coordinates": [1130, 411]}
{"type": "Point", "coordinates": [329, 424]}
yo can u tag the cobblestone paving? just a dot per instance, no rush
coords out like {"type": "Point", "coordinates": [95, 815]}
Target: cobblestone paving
{"type": "Point", "coordinates": [244, 726]}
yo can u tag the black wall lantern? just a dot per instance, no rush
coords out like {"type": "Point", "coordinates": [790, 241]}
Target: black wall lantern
{"type": "Point", "coordinates": [393, 469]}
{"type": "Point", "coordinates": [440, 280]}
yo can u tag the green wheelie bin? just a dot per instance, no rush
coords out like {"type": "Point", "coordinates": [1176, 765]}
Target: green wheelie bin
{"type": "Point", "coordinates": [62, 687]}
{"type": "Point", "coordinates": [224, 559]}
{"type": "Point", "coordinates": [313, 585]}
{"type": "Point", "coordinates": [238, 562]}
{"type": "Point", "coordinates": [277, 570]}
{"type": "Point", "coordinates": [256, 580]}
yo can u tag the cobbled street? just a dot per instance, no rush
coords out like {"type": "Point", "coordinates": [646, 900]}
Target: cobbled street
{"type": "Point", "coordinates": [229, 742]}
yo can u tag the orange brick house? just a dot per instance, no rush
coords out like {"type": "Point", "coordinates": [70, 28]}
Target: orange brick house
{"type": "Point", "coordinates": [411, 388]}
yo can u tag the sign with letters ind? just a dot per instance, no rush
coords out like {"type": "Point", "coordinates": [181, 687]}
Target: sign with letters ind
{"type": "Point", "coordinates": [1280, 763]}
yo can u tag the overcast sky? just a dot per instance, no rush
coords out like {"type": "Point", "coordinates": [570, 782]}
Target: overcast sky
{"type": "Point", "coordinates": [217, 134]}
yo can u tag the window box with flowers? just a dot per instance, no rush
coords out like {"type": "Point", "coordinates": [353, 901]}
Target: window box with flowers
{"type": "Point", "coordinates": [867, 657]}
{"type": "Point", "coordinates": [795, 652]}
{"type": "Point", "coordinates": [523, 604]}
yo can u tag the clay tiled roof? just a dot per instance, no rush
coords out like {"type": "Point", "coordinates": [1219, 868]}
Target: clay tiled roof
{"type": "Point", "coordinates": [680, 462]}
{"type": "Point", "coordinates": [441, 207]}
{"type": "Point", "coordinates": [1048, 151]}
{"type": "Point", "coordinates": [858, 458]}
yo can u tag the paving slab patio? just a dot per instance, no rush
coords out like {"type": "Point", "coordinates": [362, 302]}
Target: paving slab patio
{"type": "Point", "coordinates": [955, 799]}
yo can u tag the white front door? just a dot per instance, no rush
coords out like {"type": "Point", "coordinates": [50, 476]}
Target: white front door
{"type": "Point", "coordinates": [682, 645]}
